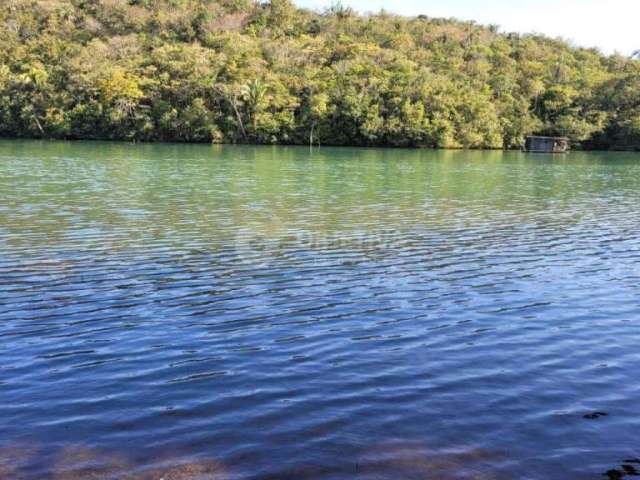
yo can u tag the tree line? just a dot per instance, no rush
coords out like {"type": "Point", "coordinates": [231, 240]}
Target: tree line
{"type": "Point", "coordinates": [239, 71]}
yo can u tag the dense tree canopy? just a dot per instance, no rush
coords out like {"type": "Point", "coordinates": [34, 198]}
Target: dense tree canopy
{"type": "Point", "coordinates": [240, 71]}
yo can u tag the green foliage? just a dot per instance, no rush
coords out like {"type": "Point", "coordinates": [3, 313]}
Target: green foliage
{"type": "Point", "coordinates": [252, 72]}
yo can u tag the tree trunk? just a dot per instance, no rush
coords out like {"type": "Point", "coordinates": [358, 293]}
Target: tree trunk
{"type": "Point", "coordinates": [39, 126]}
{"type": "Point", "coordinates": [239, 117]}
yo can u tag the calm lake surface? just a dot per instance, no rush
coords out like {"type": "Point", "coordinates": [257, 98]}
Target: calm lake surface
{"type": "Point", "coordinates": [276, 313]}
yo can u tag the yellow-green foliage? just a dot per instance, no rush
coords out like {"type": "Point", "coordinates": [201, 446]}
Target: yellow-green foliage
{"type": "Point", "coordinates": [241, 71]}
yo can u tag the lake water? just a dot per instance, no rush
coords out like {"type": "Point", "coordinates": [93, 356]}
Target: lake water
{"type": "Point", "coordinates": [206, 312]}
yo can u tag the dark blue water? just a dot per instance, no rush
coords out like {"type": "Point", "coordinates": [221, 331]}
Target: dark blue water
{"type": "Point", "coordinates": [196, 312]}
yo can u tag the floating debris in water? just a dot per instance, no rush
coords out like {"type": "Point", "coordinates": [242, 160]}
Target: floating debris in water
{"type": "Point", "coordinates": [627, 469]}
{"type": "Point", "coordinates": [630, 470]}
{"type": "Point", "coordinates": [595, 415]}
{"type": "Point", "coordinates": [614, 474]}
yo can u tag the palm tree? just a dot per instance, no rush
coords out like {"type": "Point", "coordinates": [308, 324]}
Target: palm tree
{"type": "Point", "coordinates": [255, 93]}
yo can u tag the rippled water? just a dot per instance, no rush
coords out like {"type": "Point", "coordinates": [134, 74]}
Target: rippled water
{"type": "Point", "coordinates": [186, 312]}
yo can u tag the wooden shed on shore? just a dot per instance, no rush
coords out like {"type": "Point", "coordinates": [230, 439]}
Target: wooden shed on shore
{"type": "Point", "coordinates": [538, 144]}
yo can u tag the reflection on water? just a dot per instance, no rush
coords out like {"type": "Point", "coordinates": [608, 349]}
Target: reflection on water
{"type": "Point", "coordinates": [175, 311]}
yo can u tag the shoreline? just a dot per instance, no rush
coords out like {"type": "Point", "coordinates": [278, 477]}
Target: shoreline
{"type": "Point", "coordinates": [300, 145]}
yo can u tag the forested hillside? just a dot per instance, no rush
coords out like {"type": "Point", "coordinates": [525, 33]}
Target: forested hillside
{"type": "Point", "coordinates": [245, 72]}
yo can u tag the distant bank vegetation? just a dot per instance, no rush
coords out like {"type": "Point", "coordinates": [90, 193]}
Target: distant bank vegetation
{"type": "Point", "coordinates": [242, 72]}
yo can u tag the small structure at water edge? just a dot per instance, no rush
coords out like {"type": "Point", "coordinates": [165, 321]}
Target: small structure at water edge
{"type": "Point", "coordinates": [536, 144]}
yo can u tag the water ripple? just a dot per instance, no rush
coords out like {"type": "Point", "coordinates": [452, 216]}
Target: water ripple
{"type": "Point", "coordinates": [191, 312]}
